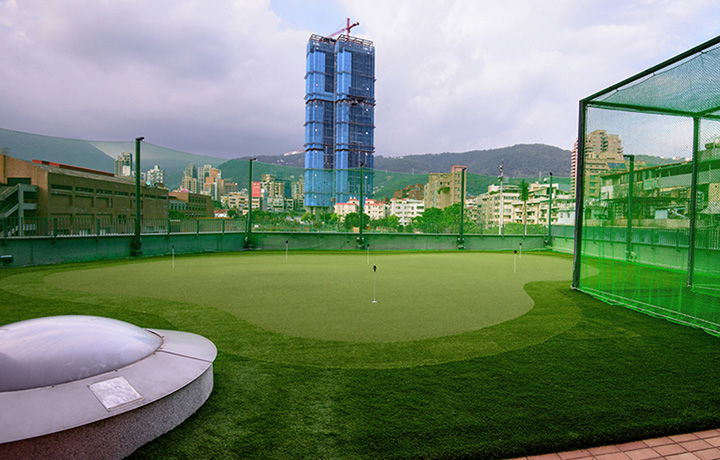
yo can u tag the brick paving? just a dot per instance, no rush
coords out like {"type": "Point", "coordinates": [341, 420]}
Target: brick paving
{"type": "Point", "coordinates": [703, 445]}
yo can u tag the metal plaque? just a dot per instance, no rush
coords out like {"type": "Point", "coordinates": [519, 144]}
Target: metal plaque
{"type": "Point", "coordinates": [115, 392]}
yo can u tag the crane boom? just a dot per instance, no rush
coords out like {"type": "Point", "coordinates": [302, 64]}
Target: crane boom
{"type": "Point", "coordinates": [347, 28]}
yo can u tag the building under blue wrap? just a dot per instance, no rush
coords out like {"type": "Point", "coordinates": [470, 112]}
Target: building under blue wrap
{"type": "Point", "coordinates": [339, 119]}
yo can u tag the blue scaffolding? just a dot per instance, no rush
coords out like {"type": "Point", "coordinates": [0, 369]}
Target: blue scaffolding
{"type": "Point", "coordinates": [339, 119]}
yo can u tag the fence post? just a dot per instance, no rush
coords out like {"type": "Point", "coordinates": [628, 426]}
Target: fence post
{"type": "Point", "coordinates": [631, 185]}
{"type": "Point", "coordinates": [693, 202]}
{"type": "Point", "coordinates": [579, 195]}
{"type": "Point", "coordinates": [136, 244]}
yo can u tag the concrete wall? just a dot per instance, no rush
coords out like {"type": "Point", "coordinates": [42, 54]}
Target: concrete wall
{"type": "Point", "coordinates": [52, 250]}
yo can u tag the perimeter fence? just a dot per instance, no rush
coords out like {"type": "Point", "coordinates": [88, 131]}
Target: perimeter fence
{"type": "Point", "coordinates": [648, 235]}
{"type": "Point", "coordinates": [13, 227]}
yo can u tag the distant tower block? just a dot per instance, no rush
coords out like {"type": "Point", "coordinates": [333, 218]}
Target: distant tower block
{"type": "Point", "coordinates": [339, 118]}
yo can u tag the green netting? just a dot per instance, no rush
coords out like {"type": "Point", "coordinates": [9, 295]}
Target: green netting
{"type": "Point", "coordinates": [648, 235]}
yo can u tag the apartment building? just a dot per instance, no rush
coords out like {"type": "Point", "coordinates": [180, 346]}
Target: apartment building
{"type": "Point", "coordinates": [444, 189]}
{"type": "Point", "coordinates": [406, 209]}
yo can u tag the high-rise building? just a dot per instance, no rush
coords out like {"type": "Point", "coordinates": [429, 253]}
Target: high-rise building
{"type": "Point", "coordinates": [339, 119]}
{"type": "Point", "coordinates": [155, 176]}
{"type": "Point", "coordinates": [123, 164]}
{"type": "Point", "coordinates": [203, 172]}
{"type": "Point", "coordinates": [603, 153]}
{"type": "Point", "coordinates": [190, 171]}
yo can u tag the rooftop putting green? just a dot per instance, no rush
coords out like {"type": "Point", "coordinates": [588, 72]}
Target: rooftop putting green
{"type": "Point", "coordinates": [317, 308]}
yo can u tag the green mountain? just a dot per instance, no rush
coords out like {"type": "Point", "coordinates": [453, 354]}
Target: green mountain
{"type": "Point", "coordinates": [172, 161]}
{"type": "Point", "coordinates": [522, 160]}
{"type": "Point", "coordinates": [28, 147]}
{"type": "Point", "coordinates": [99, 155]}
{"type": "Point", "coordinates": [656, 161]}
{"type": "Point", "coordinates": [237, 171]}
{"type": "Point", "coordinates": [391, 173]}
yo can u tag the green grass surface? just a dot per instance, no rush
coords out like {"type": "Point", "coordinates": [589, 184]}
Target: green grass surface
{"type": "Point", "coordinates": [318, 309]}
{"type": "Point", "coordinates": [571, 372]}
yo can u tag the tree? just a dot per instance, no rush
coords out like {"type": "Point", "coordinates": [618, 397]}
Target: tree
{"type": "Point", "coordinates": [524, 196]}
{"type": "Point", "coordinates": [175, 214]}
{"type": "Point", "coordinates": [329, 217]}
{"type": "Point", "coordinates": [352, 220]}
{"type": "Point", "coordinates": [451, 218]}
{"type": "Point", "coordinates": [430, 221]}
{"type": "Point", "coordinates": [451, 215]}
{"type": "Point", "coordinates": [390, 222]}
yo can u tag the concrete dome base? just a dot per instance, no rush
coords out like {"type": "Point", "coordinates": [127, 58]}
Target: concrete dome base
{"type": "Point", "coordinates": [86, 387]}
{"type": "Point", "coordinates": [119, 436]}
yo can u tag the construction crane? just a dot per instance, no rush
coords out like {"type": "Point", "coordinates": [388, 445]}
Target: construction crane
{"type": "Point", "coordinates": [346, 28]}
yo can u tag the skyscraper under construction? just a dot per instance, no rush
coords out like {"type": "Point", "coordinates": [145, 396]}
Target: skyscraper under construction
{"type": "Point", "coordinates": [339, 119]}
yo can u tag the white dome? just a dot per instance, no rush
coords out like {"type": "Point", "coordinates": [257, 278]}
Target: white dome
{"type": "Point", "coordinates": [49, 351]}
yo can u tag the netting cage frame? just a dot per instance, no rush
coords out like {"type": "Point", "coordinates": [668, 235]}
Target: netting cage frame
{"type": "Point", "coordinates": [650, 92]}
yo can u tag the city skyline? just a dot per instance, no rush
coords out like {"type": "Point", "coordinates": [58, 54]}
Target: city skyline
{"type": "Point", "coordinates": [226, 81]}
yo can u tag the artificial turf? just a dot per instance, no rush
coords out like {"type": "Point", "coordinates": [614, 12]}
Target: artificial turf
{"type": "Point", "coordinates": [571, 372]}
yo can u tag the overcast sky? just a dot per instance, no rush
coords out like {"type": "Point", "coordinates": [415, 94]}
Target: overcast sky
{"type": "Point", "coordinates": [225, 78]}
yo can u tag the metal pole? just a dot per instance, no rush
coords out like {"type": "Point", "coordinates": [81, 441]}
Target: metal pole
{"type": "Point", "coordinates": [502, 207]}
{"type": "Point", "coordinates": [579, 195]}
{"type": "Point", "coordinates": [248, 223]}
{"type": "Point", "coordinates": [461, 239]}
{"type": "Point", "coordinates": [550, 192]}
{"type": "Point", "coordinates": [136, 245]}
{"type": "Point", "coordinates": [693, 202]}
{"type": "Point", "coordinates": [360, 239]}
{"type": "Point", "coordinates": [631, 186]}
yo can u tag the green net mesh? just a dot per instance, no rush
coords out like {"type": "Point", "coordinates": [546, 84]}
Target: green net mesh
{"type": "Point", "coordinates": [649, 229]}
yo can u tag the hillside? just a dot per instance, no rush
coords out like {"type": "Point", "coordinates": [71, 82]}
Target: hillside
{"type": "Point", "coordinates": [523, 160]}
{"type": "Point", "coordinates": [391, 173]}
{"type": "Point", "coordinates": [99, 155]}
{"type": "Point", "coordinates": [30, 147]}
